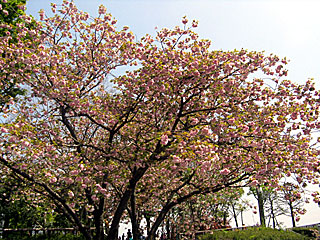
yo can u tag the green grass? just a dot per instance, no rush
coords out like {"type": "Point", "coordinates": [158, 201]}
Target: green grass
{"type": "Point", "coordinates": [255, 234]}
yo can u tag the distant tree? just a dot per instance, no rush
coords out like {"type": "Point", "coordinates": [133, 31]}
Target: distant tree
{"type": "Point", "coordinates": [18, 210]}
{"type": "Point", "coordinates": [204, 213]}
{"type": "Point", "coordinates": [284, 200]}
{"type": "Point", "coordinates": [237, 205]}
{"type": "Point", "coordinates": [291, 195]}
{"type": "Point", "coordinates": [22, 208]}
{"type": "Point", "coordinates": [261, 195]}
{"type": "Point", "coordinates": [274, 208]}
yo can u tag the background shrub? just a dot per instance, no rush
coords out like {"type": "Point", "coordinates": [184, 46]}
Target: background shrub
{"type": "Point", "coordinates": [68, 236]}
{"type": "Point", "coordinates": [309, 232]}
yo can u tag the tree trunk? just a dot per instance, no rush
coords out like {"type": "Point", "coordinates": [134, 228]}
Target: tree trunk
{"type": "Point", "coordinates": [242, 222]}
{"type": "Point", "coordinates": [261, 207]}
{"type": "Point", "coordinates": [235, 215]}
{"type": "Point", "coordinates": [135, 226]}
{"type": "Point", "coordinates": [113, 232]}
{"type": "Point", "coordinates": [168, 228]}
{"type": "Point", "coordinates": [182, 199]}
{"type": "Point", "coordinates": [159, 220]}
{"type": "Point", "coordinates": [98, 222]}
{"type": "Point", "coordinates": [147, 216]}
{"type": "Point", "coordinates": [272, 213]}
{"type": "Point", "coordinates": [224, 218]}
{"type": "Point", "coordinates": [292, 214]}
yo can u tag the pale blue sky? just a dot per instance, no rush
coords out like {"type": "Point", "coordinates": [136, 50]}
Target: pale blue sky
{"type": "Point", "coordinates": [287, 28]}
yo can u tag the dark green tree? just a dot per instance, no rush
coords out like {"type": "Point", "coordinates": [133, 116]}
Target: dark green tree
{"type": "Point", "coordinates": [16, 210]}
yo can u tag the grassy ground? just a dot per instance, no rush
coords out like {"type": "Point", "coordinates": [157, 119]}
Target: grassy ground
{"type": "Point", "coordinates": [256, 234]}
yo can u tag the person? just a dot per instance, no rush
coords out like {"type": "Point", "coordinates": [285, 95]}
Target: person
{"type": "Point", "coordinates": [141, 237]}
{"type": "Point", "coordinates": [157, 236]}
{"type": "Point", "coordinates": [163, 236]}
{"type": "Point", "coordinates": [129, 235]}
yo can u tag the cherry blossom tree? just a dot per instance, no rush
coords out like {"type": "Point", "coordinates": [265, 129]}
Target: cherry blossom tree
{"type": "Point", "coordinates": [10, 12]}
{"type": "Point", "coordinates": [183, 121]}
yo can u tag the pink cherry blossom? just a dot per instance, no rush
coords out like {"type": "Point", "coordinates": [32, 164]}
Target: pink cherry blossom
{"type": "Point", "coordinates": [70, 194]}
{"type": "Point", "coordinates": [53, 180]}
{"type": "Point", "coordinates": [225, 171]}
{"type": "Point", "coordinates": [194, 23]}
{"type": "Point", "coordinates": [74, 172]}
{"type": "Point", "coordinates": [164, 139]}
{"type": "Point", "coordinates": [102, 9]}
{"type": "Point", "coordinates": [184, 20]}
{"type": "Point", "coordinates": [68, 180]}
{"type": "Point", "coordinates": [4, 130]}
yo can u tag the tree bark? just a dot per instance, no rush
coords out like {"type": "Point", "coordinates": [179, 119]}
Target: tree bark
{"type": "Point", "coordinates": [261, 207]}
{"type": "Point", "coordinates": [242, 222]}
{"type": "Point", "coordinates": [113, 232]}
{"type": "Point", "coordinates": [168, 228]}
{"type": "Point", "coordinates": [147, 216]}
{"type": "Point", "coordinates": [159, 220]}
{"type": "Point", "coordinates": [98, 222]}
{"type": "Point", "coordinates": [272, 213]}
{"type": "Point", "coordinates": [292, 214]}
{"type": "Point", "coordinates": [235, 215]}
{"type": "Point", "coordinates": [134, 223]}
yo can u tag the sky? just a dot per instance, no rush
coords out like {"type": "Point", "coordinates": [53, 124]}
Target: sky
{"type": "Point", "coordinates": [287, 28]}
